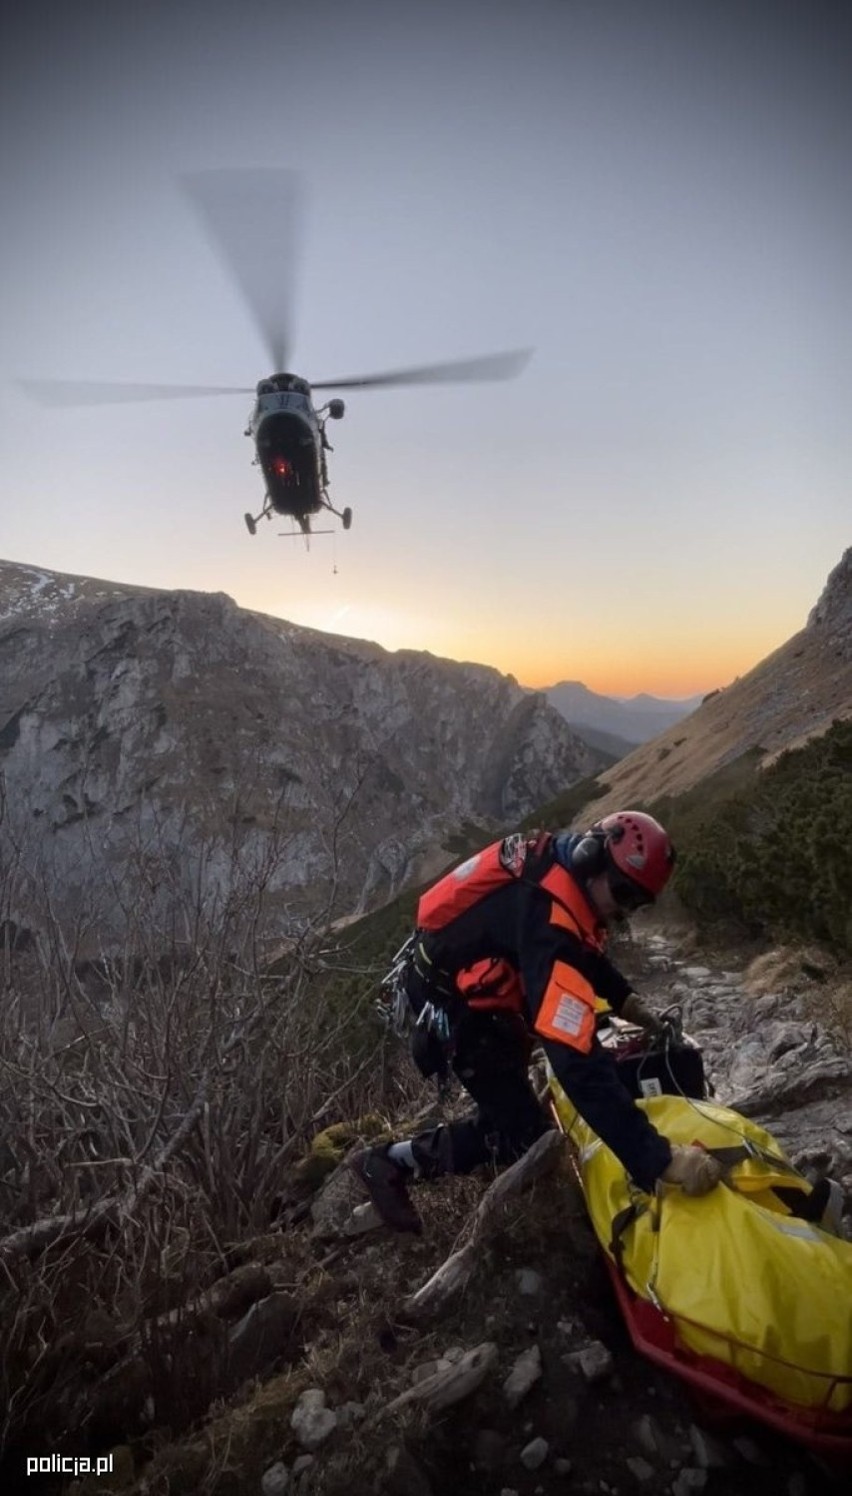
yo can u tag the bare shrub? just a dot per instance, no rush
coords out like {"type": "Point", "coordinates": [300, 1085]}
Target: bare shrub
{"type": "Point", "coordinates": [157, 1082]}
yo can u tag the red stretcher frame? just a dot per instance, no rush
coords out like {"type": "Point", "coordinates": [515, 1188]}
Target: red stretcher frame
{"type": "Point", "coordinates": [721, 1388]}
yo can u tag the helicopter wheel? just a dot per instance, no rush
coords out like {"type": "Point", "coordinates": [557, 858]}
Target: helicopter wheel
{"type": "Point", "coordinates": [250, 524]}
{"type": "Point", "coordinates": [346, 516]}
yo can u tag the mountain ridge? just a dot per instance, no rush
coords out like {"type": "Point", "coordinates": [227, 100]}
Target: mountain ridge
{"type": "Point", "coordinates": [140, 720]}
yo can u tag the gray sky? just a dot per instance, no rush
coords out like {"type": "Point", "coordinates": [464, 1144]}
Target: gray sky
{"type": "Point", "coordinates": [654, 195]}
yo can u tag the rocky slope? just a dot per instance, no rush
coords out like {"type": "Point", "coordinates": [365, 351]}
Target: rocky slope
{"type": "Point", "coordinates": [797, 692]}
{"type": "Point", "coordinates": [550, 1396]}
{"type": "Point", "coordinates": [577, 1408]}
{"type": "Point", "coordinates": [172, 726]}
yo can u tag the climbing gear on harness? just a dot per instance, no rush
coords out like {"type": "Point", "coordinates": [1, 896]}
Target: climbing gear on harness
{"type": "Point", "coordinates": [429, 1027]}
{"type": "Point", "coordinates": [392, 1005]}
{"type": "Point", "coordinates": [435, 1021]}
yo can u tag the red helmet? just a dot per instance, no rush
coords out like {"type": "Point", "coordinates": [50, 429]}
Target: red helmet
{"type": "Point", "coordinates": [638, 848]}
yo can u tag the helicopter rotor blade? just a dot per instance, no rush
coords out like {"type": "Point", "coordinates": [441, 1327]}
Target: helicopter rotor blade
{"type": "Point", "coordinates": [93, 392]}
{"type": "Point", "coordinates": [252, 217]}
{"type": "Point", "coordinates": [490, 366]}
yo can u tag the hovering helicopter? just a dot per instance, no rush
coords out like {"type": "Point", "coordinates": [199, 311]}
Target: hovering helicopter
{"type": "Point", "coordinates": [251, 217]}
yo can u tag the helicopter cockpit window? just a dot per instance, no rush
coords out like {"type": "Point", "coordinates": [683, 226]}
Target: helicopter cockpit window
{"type": "Point", "coordinates": [287, 384]}
{"type": "Point", "coordinates": [266, 387]}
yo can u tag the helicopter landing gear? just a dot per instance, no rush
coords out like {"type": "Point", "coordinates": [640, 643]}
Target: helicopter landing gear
{"type": "Point", "coordinates": [252, 519]}
{"type": "Point", "coordinates": [344, 515]}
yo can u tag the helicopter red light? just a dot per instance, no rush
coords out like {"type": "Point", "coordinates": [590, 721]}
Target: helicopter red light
{"type": "Point", "coordinates": [281, 467]}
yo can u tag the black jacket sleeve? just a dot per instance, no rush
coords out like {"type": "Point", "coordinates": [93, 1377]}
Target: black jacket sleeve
{"type": "Point", "coordinates": [606, 979]}
{"type": "Point", "coordinates": [590, 1080]}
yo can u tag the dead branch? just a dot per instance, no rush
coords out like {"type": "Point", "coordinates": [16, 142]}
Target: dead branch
{"type": "Point", "coordinates": [455, 1272]}
{"type": "Point", "coordinates": [30, 1240]}
{"type": "Point", "coordinates": [458, 1381]}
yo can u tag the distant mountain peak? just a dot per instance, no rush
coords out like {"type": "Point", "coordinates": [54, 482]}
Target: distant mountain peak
{"type": "Point", "coordinates": [625, 722]}
{"type": "Point", "coordinates": [660, 703]}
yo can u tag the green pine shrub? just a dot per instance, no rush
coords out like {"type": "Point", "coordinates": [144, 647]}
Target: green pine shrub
{"type": "Point", "coordinates": [771, 849]}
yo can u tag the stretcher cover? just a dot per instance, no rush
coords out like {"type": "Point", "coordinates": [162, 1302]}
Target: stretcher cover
{"type": "Point", "coordinates": [744, 1281]}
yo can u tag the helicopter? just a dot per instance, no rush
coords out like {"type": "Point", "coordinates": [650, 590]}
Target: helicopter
{"type": "Point", "coordinates": [251, 216]}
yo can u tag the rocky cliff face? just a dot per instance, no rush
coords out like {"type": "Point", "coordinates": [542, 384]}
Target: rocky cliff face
{"type": "Point", "coordinates": [176, 727]}
{"type": "Point", "coordinates": [832, 616]}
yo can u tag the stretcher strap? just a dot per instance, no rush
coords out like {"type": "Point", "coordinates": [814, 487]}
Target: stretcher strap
{"type": "Point", "coordinates": [620, 1223]}
{"type": "Point", "coordinates": [728, 1157]}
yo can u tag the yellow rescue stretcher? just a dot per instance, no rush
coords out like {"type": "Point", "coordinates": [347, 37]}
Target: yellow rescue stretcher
{"type": "Point", "coordinates": [733, 1292]}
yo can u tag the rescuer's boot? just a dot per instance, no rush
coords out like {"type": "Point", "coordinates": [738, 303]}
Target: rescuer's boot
{"type": "Point", "coordinates": [386, 1181]}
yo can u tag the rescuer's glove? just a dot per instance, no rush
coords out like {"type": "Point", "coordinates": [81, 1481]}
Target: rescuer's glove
{"type": "Point", "coordinates": [635, 1011]}
{"type": "Point", "coordinates": [695, 1170]}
